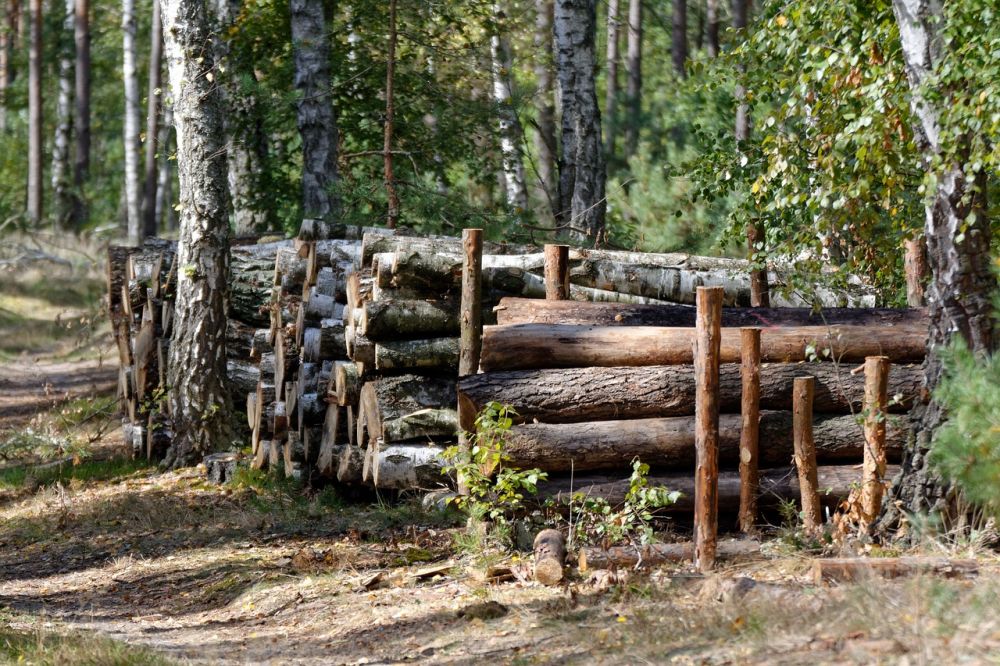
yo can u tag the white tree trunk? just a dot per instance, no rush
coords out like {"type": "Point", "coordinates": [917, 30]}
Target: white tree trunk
{"type": "Point", "coordinates": [511, 135]}
{"type": "Point", "coordinates": [198, 397]}
{"type": "Point", "coordinates": [61, 176]}
{"type": "Point", "coordinates": [35, 114]}
{"type": "Point", "coordinates": [545, 105]}
{"type": "Point", "coordinates": [633, 72]}
{"type": "Point", "coordinates": [133, 191]}
{"type": "Point", "coordinates": [581, 165]}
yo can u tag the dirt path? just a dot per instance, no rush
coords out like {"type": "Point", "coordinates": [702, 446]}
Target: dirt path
{"type": "Point", "coordinates": [31, 387]}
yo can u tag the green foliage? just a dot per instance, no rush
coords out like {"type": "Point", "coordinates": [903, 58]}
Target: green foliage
{"type": "Point", "coordinates": [597, 522]}
{"type": "Point", "coordinates": [496, 490]}
{"type": "Point", "coordinates": [967, 447]}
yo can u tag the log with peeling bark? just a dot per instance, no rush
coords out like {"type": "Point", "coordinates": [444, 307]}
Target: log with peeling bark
{"type": "Point", "coordinates": [522, 346]}
{"type": "Point", "coordinates": [853, 569]}
{"type": "Point", "coordinates": [350, 464]}
{"type": "Point", "coordinates": [407, 466]}
{"type": "Point", "coordinates": [378, 242]}
{"type": "Point", "coordinates": [325, 341]}
{"type": "Point", "coordinates": [668, 442]}
{"type": "Point", "coordinates": [835, 483]}
{"type": "Point", "coordinates": [533, 311]}
{"type": "Point", "coordinates": [568, 395]}
{"type": "Point", "coordinates": [407, 408]}
{"type": "Point", "coordinates": [425, 354]}
{"type": "Point", "coordinates": [392, 319]}
{"type": "Point", "coordinates": [632, 557]}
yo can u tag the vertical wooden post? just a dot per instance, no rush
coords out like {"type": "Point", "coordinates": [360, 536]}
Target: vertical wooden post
{"type": "Point", "coordinates": [556, 272]}
{"type": "Point", "coordinates": [471, 328]}
{"type": "Point", "coordinates": [803, 389]}
{"type": "Point", "coordinates": [876, 405]}
{"type": "Point", "coordinates": [915, 266]}
{"type": "Point", "coordinates": [471, 315]}
{"type": "Point", "coordinates": [750, 427]}
{"type": "Point", "coordinates": [708, 337]}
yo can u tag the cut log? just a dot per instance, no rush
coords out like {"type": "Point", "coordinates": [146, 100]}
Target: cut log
{"type": "Point", "coordinates": [324, 342]}
{"type": "Point", "coordinates": [279, 421]}
{"type": "Point", "coordinates": [595, 394]}
{"type": "Point", "coordinates": [379, 242]}
{"type": "Point", "coordinates": [293, 451]}
{"type": "Point", "coordinates": [401, 319]}
{"type": "Point", "coordinates": [251, 279]}
{"type": "Point", "coordinates": [708, 335]}
{"type": "Point", "coordinates": [395, 406]}
{"type": "Point", "coordinates": [533, 311]}
{"type": "Point", "coordinates": [432, 353]}
{"type": "Point", "coordinates": [407, 467]}
{"type": "Point", "coordinates": [805, 452]}
{"type": "Point", "coordinates": [311, 409]}
{"type": "Point", "coordinates": [262, 457]}
{"type": "Point", "coordinates": [852, 569]}
{"type": "Point", "coordinates": [350, 465]}
{"type": "Point", "coordinates": [242, 377]}
{"type": "Point", "coordinates": [221, 467]}
{"type": "Point", "coordinates": [522, 346]}
{"type": "Point", "coordinates": [632, 557]}
{"type": "Point", "coordinates": [346, 381]}
{"type": "Point", "coordinates": [550, 556]}
{"type": "Point", "coordinates": [334, 435]}
{"type": "Point", "coordinates": [776, 484]}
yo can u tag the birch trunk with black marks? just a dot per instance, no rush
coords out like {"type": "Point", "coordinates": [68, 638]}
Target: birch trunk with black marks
{"type": "Point", "coordinates": [199, 401]}
{"type": "Point", "coordinates": [61, 177]}
{"type": "Point", "coordinates": [34, 203]}
{"type": "Point", "coordinates": [633, 75]}
{"type": "Point", "coordinates": [511, 133]}
{"type": "Point", "coordinates": [316, 123]}
{"type": "Point", "coordinates": [957, 233]}
{"type": "Point", "coordinates": [581, 165]}
{"type": "Point", "coordinates": [130, 77]}
{"type": "Point", "coordinates": [545, 105]}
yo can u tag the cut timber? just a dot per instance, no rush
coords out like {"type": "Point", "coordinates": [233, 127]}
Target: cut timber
{"type": "Point", "coordinates": [350, 464]}
{"type": "Point", "coordinates": [333, 437]}
{"type": "Point", "coordinates": [632, 557]}
{"type": "Point", "coordinates": [325, 341]}
{"type": "Point", "coordinates": [407, 467]}
{"type": "Point", "coordinates": [749, 428]}
{"type": "Point", "coordinates": [534, 311]}
{"type": "Point", "coordinates": [407, 407]}
{"type": "Point", "coordinates": [433, 353]}
{"type": "Point", "coordinates": [311, 409]}
{"type": "Point", "coordinates": [262, 457]}
{"type": "Point", "coordinates": [873, 476]}
{"type": "Point", "coordinates": [550, 556]}
{"type": "Point", "coordinates": [775, 484]}
{"type": "Point", "coordinates": [347, 382]}
{"type": "Point", "coordinates": [242, 377]}
{"type": "Point", "coordinates": [864, 568]}
{"type": "Point", "coordinates": [594, 394]}
{"type": "Point", "coordinates": [379, 242]}
{"type": "Point", "coordinates": [399, 319]}
{"type": "Point", "coordinates": [251, 279]}
{"type": "Point", "coordinates": [221, 467]}
{"type": "Point", "coordinates": [521, 346]}
{"type": "Point", "coordinates": [805, 451]}
{"type": "Point", "coordinates": [708, 335]}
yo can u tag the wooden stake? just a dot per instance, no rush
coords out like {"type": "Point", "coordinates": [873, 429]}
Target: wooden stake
{"type": "Point", "coordinates": [915, 266]}
{"type": "Point", "coordinates": [556, 272]}
{"type": "Point", "coordinates": [708, 338]}
{"type": "Point", "coordinates": [749, 430]}
{"type": "Point", "coordinates": [805, 450]}
{"type": "Point", "coordinates": [876, 407]}
{"type": "Point", "coordinates": [471, 314]}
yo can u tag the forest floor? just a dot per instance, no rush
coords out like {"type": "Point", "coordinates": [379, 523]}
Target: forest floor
{"type": "Point", "coordinates": [105, 560]}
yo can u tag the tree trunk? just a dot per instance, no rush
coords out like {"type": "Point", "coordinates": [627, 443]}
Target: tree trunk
{"type": "Point", "coordinates": [393, 319]}
{"type": "Point", "coordinates": [712, 26]}
{"type": "Point", "coordinates": [61, 178]}
{"type": "Point", "coordinates": [81, 166]}
{"type": "Point", "coordinates": [166, 216]}
{"type": "Point", "coordinates": [915, 266]}
{"type": "Point", "coordinates": [595, 394]}
{"type": "Point", "coordinates": [315, 109]}
{"type": "Point", "coordinates": [199, 401]}
{"type": "Point", "coordinates": [153, 96]}
{"type": "Point", "coordinates": [611, 82]}
{"type": "Point", "coordinates": [392, 197]}
{"type": "Point", "coordinates": [529, 346]}
{"type": "Point", "coordinates": [679, 39]}
{"type": "Point", "coordinates": [957, 233]}
{"type": "Point", "coordinates": [34, 207]}
{"type": "Point", "coordinates": [511, 134]}
{"type": "Point", "coordinates": [133, 191]}
{"type": "Point", "coordinates": [581, 166]}
{"type": "Point", "coordinates": [6, 59]}
{"type": "Point", "coordinates": [545, 106]}
{"type": "Point", "coordinates": [633, 73]}
{"type": "Point", "coordinates": [391, 409]}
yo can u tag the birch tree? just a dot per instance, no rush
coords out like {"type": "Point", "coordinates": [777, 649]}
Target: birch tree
{"type": "Point", "coordinates": [153, 96]}
{"type": "Point", "coordinates": [511, 134]}
{"type": "Point", "coordinates": [196, 372]}
{"type": "Point", "coordinates": [611, 81]}
{"type": "Point", "coordinates": [130, 77]}
{"type": "Point", "coordinates": [545, 106]}
{"type": "Point", "coordinates": [678, 38]}
{"type": "Point", "coordinates": [34, 203]}
{"type": "Point", "coordinates": [81, 160]}
{"type": "Point", "coordinates": [633, 74]}
{"type": "Point", "coordinates": [581, 163]}
{"type": "Point", "coordinates": [61, 174]}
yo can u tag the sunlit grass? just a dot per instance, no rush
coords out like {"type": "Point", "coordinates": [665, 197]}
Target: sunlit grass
{"type": "Point", "coordinates": [41, 648]}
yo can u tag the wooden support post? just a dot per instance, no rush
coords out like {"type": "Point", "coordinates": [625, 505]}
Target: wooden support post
{"type": "Point", "coordinates": [750, 426]}
{"type": "Point", "coordinates": [708, 340]}
{"type": "Point", "coordinates": [470, 327]}
{"type": "Point", "coordinates": [915, 266]}
{"type": "Point", "coordinates": [556, 272]}
{"type": "Point", "coordinates": [805, 450]}
{"type": "Point", "coordinates": [876, 408]}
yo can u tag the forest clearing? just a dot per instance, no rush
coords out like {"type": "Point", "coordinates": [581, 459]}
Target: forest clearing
{"type": "Point", "coordinates": [530, 331]}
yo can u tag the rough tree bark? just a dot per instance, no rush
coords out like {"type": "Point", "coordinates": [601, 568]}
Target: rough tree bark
{"type": "Point", "coordinates": [611, 81]}
{"type": "Point", "coordinates": [61, 178]}
{"type": "Point", "coordinates": [545, 105]}
{"type": "Point", "coordinates": [165, 214]}
{"type": "Point", "coordinates": [153, 96]}
{"type": "Point", "coordinates": [581, 165]}
{"type": "Point", "coordinates": [6, 68]}
{"type": "Point", "coordinates": [315, 109]}
{"type": "Point", "coordinates": [34, 207]}
{"type": "Point", "coordinates": [957, 233]}
{"type": "Point", "coordinates": [712, 27]}
{"type": "Point", "coordinates": [133, 191]}
{"type": "Point", "coordinates": [679, 38]}
{"type": "Point", "coordinates": [81, 165]}
{"type": "Point", "coordinates": [199, 401]}
{"type": "Point", "coordinates": [633, 74]}
{"type": "Point", "coordinates": [511, 134]}
{"type": "Point", "coordinates": [392, 197]}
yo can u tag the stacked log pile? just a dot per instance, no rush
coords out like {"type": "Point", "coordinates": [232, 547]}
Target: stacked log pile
{"type": "Point", "coordinates": [596, 385]}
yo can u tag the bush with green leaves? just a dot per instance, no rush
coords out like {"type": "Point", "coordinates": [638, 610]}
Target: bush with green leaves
{"type": "Point", "coordinates": [967, 448]}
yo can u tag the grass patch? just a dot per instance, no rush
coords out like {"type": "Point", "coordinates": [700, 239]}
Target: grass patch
{"type": "Point", "coordinates": [72, 649]}
{"type": "Point", "coordinates": [31, 477]}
